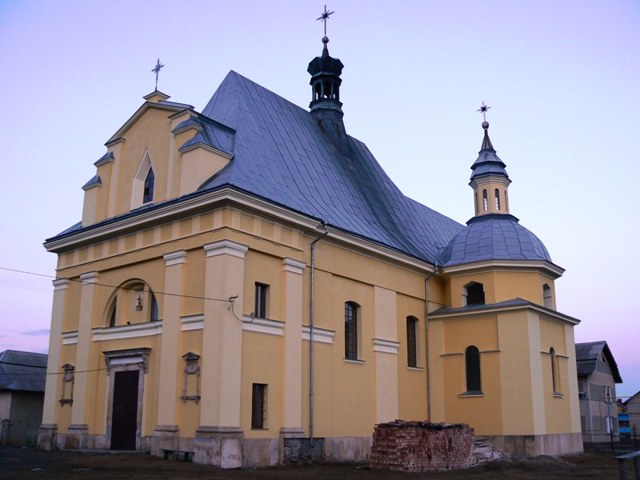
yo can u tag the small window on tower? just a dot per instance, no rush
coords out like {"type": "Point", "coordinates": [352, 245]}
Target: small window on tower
{"type": "Point", "coordinates": [497, 194]}
{"type": "Point", "coordinates": [485, 201]}
{"type": "Point", "coordinates": [546, 296]}
{"type": "Point", "coordinates": [474, 293]}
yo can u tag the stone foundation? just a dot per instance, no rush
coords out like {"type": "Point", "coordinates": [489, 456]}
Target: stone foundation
{"type": "Point", "coordinates": [422, 447]}
{"type": "Point", "coordinates": [534, 445]}
{"type": "Point", "coordinates": [47, 437]}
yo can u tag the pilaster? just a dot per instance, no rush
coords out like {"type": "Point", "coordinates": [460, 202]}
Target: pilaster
{"type": "Point", "coordinates": [292, 271]}
{"type": "Point", "coordinates": [166, 429]}
{"type": "Point", "coordinates": [81, 385]}
{"type": "Point", "coordinates": [386, 347]}
{"type": "Point", "coordinates": [49, 425]}
{"type": "Point", "coordinates": [222, 334]}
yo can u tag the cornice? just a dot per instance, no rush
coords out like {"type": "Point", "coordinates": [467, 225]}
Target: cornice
{"type": "Point", "coordinates": [457, 313]}
{"type": "Point", "coordinates": [192, 204]}
{"type": "Point", "coordinates": [473, 267]}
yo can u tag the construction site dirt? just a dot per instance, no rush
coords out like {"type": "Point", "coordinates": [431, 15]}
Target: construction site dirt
{"type": "Point", "coordinates": [29, 463]}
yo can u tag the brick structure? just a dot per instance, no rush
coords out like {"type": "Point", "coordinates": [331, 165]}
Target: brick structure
{"type": "Point", "coordinates": [421, 447]}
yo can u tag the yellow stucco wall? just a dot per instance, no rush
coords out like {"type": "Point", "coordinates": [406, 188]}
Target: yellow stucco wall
{"type": "Point", "coordinates": [350, 395]}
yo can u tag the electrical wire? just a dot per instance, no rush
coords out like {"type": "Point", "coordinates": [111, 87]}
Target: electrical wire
{"type": "Point", "coordinates": [77, 280]}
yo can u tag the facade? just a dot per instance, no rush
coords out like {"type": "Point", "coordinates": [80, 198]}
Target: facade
{"type": "Point", "coordinates": [22, 379]}
{"type": "Point", "coordinates": [247, 284]}
{"type": "Point", "coordinates": [597, 377]}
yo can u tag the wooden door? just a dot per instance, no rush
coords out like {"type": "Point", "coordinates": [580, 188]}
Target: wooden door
{"type": "Point", "coordinates": [124, 419]}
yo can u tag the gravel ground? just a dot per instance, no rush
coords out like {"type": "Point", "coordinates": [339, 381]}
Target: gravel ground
{"type": "Point", "coordinates": [28, 464]}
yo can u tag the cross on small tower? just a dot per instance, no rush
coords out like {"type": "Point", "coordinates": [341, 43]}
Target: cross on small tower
{"type": "Point", "coordinates": [324, 17]}
{"type": "Point", "coordinates": [156, 70]}
{"type": "Point", "coordinates": [483, 109]}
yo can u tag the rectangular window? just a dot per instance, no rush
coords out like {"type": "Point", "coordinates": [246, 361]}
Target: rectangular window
{"type": "Point", "coordinates": [259, 406]}
{"type": "Point", "coordinates": [350, 331]}
{"type": "Point", "coordinates": [260, 307]}
{"type": "Point", "coordinates": [412, 342]}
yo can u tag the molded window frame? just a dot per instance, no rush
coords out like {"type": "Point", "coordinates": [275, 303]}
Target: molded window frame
{"type": "Point", "coordinates": [351, 330]}
{"type": "Point", "coordinates": [143, 181]}
{"type": "Point", "coordinates": [473, 371]}
{"type": "Point", "coordinates": [261, 300]}
{"type": "Point", "coordinates": [547, 296]}
{"type": "Point", "coordinates": [412, 341]}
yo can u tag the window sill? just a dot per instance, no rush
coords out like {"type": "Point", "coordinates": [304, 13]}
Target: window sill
{"type": "Point", "coordinates": [557, 395]}
{"type": "Point", "coordinates": [414, 369]}
{"type": "Point", "coordinates": [258, 429]}
{"type": "Point", "coordinates": [355, 362]}
{"type": "Point", "coordinates": [471, 394]}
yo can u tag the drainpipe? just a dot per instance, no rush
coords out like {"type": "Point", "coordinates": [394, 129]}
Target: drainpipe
{"type": "Point", "coordinates": [311, 327]}
{"type": "Point", "coordinates": [426, 335]}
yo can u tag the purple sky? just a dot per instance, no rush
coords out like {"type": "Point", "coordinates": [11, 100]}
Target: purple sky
{"type": "Point", "coordinates": [563, 80]}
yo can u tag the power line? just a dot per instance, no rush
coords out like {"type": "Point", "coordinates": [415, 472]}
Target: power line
{"type": "Point", "coordinates": [77, 280]}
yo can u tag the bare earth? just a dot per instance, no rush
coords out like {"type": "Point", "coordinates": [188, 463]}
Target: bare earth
{"type": "Point", "coordinates": [27, 463]}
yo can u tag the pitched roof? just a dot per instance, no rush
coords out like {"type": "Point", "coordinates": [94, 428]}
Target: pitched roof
{"type": "Point", "coordinates": [23, 371]}
{"type": "Point", "coordinates": [587, 355]}
{"type": "Point", "coordinates": [511, 304]}
{"type": "Point", "coordinates": [282, 155]}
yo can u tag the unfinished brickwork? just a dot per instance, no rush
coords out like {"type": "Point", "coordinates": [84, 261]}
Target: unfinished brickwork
{"type": "Point", "coordinates": [421, 447]}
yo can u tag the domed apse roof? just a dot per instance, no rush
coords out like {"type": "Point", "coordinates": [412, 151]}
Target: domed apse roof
{"type": "Point", "coordinates": [493, 237]}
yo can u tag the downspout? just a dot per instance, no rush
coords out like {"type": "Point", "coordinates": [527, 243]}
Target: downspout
{"type": "Point", "coordinates": [426, 335]}
{"type": "Point", "coordinates": [311, 327]}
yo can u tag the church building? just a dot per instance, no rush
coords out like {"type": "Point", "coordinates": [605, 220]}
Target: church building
{"type": "Point", "coordinates": [248, 287]}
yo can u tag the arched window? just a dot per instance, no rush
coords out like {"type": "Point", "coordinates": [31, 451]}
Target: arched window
{"type": "Point", "coordinates": [546, 296]}
{"type": "Point", "coordinates": [149, 184]}
{"type": "Point", "coordinates": [474, 293]}
{"type": "Point", "coordinates": [485, 200]}
{"type": "Point", "coordinates": [497, 195]}
{"type": "Point", "coordinates": [144, 181]}
{"type": "Point", "coordinates": [412, 341]}
{"type": "Point", "coordinates": [554, 370]}
{"type": "Point", "coordinates": [472, 366]}
{"type": "Point", "coordinates": [132, 302]}
{"type": "Point", "coordinates": [350, 331]}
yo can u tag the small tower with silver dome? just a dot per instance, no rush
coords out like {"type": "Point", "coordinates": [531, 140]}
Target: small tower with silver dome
{"type": "Point", "coordinates": [489, 179]}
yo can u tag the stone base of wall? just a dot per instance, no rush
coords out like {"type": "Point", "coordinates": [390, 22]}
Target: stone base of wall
{"type": "Point", "coordinates": [47, 437]}
{"type": "Point", "coordinates": [422, 447]}
{"type": "Point", "coordinates": [534, 445]}
{"type": "Point", "coordinates": [299, 450]}
{"type": "Point", "coordinates": [347, 449]}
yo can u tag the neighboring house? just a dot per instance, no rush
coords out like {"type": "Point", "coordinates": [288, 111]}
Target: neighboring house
{"type": "Point", "coordinates": [22, 379]}
{"type": "Point", "coordinates": [624, 425]}
{"type": "Point", "coordinates": [249, 285]}
{"type": "Point", "coordinates": [597, 377]}
{"type": "Point", "coordinates": [632, 406]}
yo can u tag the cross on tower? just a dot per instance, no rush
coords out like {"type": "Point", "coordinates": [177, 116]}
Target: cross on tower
{"type": "Point", "coordinates": [156, 70]}
{"type": "Point", "coordinates": [324, 17]}
{"type": "Point", "coordinates": [483, 109]}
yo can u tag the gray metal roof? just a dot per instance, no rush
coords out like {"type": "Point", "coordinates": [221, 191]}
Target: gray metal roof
{"type": "Point", "coordinates": [488, 162]}
{"type": "Point", "coordinates": [493, 237]}
{"type": "Point", "coordinates": [587, 355]}
{"type": "Point", "coordinates": [22, 371]}
{"type": "Point", "coordinates": [282, 155]}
